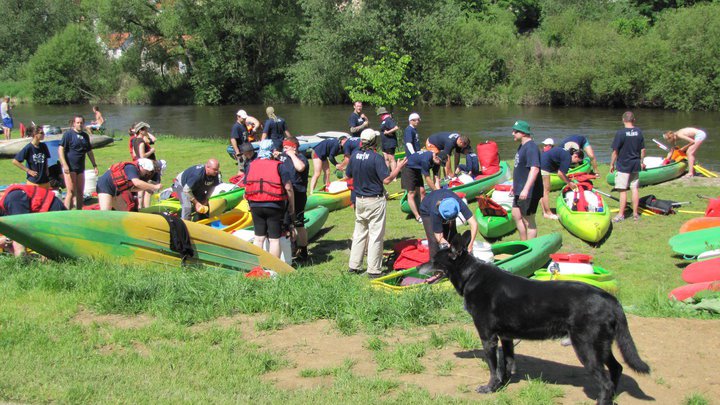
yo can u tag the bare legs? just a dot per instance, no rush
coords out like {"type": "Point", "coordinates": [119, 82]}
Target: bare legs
{"type": "Point", "coordinates": [525, 224]}
{"type": "Point", "coordinates": [75, 185]}
{"type": "Point", "coordinates": [319, 167]}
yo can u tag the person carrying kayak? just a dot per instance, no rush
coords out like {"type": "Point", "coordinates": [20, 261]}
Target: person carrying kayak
{"type": "Point", "coordinates": [439, 211]}
{"type": "Point", "coordinates": [556, 160]}
{"type": "Point", "coordinates": [116, 185]}
{"type": "Point", "coordinates": [194, 186]}
{"type": "Point", "coordinates": [27, 199]}
{"type": "Point", "coordinates": [35, 155]}
{"type": "Point", "coordinates": [694, 138]}
{"type": "Point", "coordinates": [323, 152]}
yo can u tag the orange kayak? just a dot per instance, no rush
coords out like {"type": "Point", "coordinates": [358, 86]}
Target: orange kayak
{"type": "Point", "coordinates": [697, 224]}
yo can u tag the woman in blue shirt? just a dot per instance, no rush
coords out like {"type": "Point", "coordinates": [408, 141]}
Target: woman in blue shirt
{"type": "Point", "coordinates": [74, 146]}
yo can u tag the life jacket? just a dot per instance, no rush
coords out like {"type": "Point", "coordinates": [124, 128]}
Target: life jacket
{"type": "Point", "coordinates": [583, 183]}
{"type": "Point", "coordinates": [410, 253]}
{"type": "Point", "coordinates": [263, 182]}
{"type": "Point", "coordinates": [488, 158]}
{"type": "Point", "coordinates": [119, 178]}
{"type": "Point", "coordinates": [490, 208]}
{"type": "Point", "coordinates": [713, 208]}
{"type": "Point", "coordinates": [131, 148]}
{"type": "Point", "coordinates": [238, 180]}
{"type": "Point", "coordinates": [40, 198]}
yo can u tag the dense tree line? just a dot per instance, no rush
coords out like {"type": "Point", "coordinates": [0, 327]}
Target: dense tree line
{"type": "Point", "coordinates": [659, 53]}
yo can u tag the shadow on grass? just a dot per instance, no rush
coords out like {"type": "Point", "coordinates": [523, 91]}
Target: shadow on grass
{"type": "Point", "coordinates": [529, 367]}
{"type": "Point", "coordinates": [605, 238]}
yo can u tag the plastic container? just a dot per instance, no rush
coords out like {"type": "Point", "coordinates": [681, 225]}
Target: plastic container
{"type": "Point", "coordinates": [652, 161]}
{"type": "Point", "coordinates": [501, 194]}
{"type": "Point", "coordinates": [337, 186]}
{"type": "Point", "coordinates": [483, 251]}
{"type": "Point", "coordinates": [571, 263]}
{"type": "Point", "coordinates": [465, 178]}
{"type": "Point", "coordinates": [90, 182]}
{"type": "Point", "coordinates": [285, 244]}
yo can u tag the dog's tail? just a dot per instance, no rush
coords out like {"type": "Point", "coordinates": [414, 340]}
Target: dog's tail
{"type": "Point", "coordinates": [627, 345]}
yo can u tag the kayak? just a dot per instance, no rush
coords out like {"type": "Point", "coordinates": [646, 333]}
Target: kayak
{"type": "Point", "coordinates": [331, 201]}
{"type": "Point", "coordinates": [518, 257]}
{"type": "Point", "coordinates": [131, 237]}
{"type": "Point", "coordinates": [556, 183]}
{"type": "Point", "coordinates": [600, 278]}
{"type": "Point", "coordinates": [314, 221]}
{"type": "Point", "coordinates": [697, 224]}
{"type": "Point", "coordinates": [218, 203]}
{"type": "Point", "coordinates": [656, 175]}
{"type": "Point", "coordinates": [696, 242]}
{"type": "Point", "coordinates": [8, 149]}
{"type": "Point", "coordinates": [590, 226]}
{"type": "Point", "coordinates": [472, 189]}
{"type": "Point", "coordinates": [229, 221]}
{"type": "Point", "coordinates": [493, 227]}
{"type": "Point", "coordinates": [689, 290]}
{"type": "Point", "coordinates": [698, 272]}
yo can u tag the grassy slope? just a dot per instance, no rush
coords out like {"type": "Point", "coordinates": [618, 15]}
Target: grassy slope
{"type": "Point", "coordinates": [44, 357]}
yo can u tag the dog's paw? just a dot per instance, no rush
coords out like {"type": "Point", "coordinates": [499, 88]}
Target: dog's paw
{"type": "Point", "coordinates": [486, 389]}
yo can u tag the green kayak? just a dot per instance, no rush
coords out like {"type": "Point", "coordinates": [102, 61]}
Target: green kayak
{"type": "Point", "coordinates": [493, 227]}
{"type": "Point", "coordinates": [331, 201]}
{"type": "Point", "coordinates": [601, 278]}
{"type": "Point", "coordinates": [656, 175]}
{"type": "Point", "coordinates": [590, 226]}
{"type": "Point", "coordinates": [696, 242]}
{"type": "Point", "coordinates": [472, 189]}
{"type": "Point", "coordinates": [556, 183]}
{"type": "Point", "coordinates": [232, 199]}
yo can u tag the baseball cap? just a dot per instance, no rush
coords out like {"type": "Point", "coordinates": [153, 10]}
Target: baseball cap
{"type": "Point", "coordinates": [368, 135]}
{"type": "Point", "coordinates": [242, 114]}
{"type": "Point", "coordinates": [146, 164]}
{"type": "Point", "coordinates": [449, 208]}
{"type": "Point", "coordinates": [548, 141]}
{"type": "Point", "coordinates": [522, 126]}
{"type": "Point", "coordinates": [414, 116]}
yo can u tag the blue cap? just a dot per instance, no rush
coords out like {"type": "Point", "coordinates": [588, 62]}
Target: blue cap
{"type": "Point", "coordinates": [265, 149]}
{"type": "Point", "coordinates": [449, 208]}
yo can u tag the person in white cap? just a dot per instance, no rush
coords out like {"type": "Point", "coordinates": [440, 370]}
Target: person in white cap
{"type": "Point", "coordinates": [410, 136]}
{"type": "Point", "coordinates": [239, 135]}
{"type": "Point", "coordinates": [370, 175]}
{"type": "Point", "coordinates": [143, 148]}
{"type": "Point", "coordinates": [115, 186]}
{"type": "Point", "coordinates": [548, 143]}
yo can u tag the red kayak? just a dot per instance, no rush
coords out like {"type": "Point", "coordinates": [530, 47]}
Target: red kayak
{"type": "Point", "coordinates": [689, 290]}
{"type": "Point", "coordinates": [699, 272]}
{"type": "Point", "coordinates": [696, 224]}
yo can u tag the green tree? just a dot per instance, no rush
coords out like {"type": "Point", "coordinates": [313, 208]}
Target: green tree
{"type": "Point", "coordinates": [70, 68]}
{"type": "Point", "coordinates": [384, 81]}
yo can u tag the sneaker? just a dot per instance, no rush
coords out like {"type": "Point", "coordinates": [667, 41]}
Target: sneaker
{"type": "Point", "coordinates": [376, 275]}
{"type": "Point", "coordinates": [566, 342]}
{"type": "Point", "coordinates": [355, 271]}
{"type": "Point", "coordinates": [618, 218]}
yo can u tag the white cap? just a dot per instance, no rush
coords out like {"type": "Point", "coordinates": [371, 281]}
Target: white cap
{"type": "Point", "coordinates": [242, 114]}
{"type": "Point", "coordinates": [369, 135]}
{"type": "Point", "coordinates": [414, 116]}
{"type": "Point", "coordinates": [146, 164]}
{"type": "Point", "coordinates": [548, 141]}
{"type": "Point", "coordinates": [163, 166]}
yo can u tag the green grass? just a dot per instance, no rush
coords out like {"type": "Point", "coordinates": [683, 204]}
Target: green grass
{"type": "Point", "coordinates": [696, 399]}
{"type": "Point", "coordinates": [45, 356]}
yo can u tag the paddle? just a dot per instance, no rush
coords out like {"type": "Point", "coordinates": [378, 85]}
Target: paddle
{"type": "Point", "coordinates": [705, 172]}
{"type": "Point", "coordinates": [643, 210]}
{"type": "Point", "coordinates": [395, 196]}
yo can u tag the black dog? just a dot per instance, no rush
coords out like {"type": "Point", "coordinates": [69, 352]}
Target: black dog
{"type": "Point", "coordinates": [506, 307]}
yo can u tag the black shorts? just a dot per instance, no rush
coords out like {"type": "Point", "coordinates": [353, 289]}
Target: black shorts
{"type": "Point", "coordinates": [267, 221]}
{"type": "Point", "coordinates": [300, 202]}
{"type": "Point", "coordinates": [76, 164]}
{"type": "Point", "coordinates": [389, 150]}
{"type": "Point", "coordinates": [105, 185]}
{"type": "Point", "coordinates": [411, 179]}
{"type": "Point", "coordinates": [527, 206]}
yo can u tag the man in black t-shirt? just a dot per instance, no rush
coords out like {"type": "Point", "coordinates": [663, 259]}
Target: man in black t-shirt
{"type": "Point", "coordinates": [527, 182]}
{"type": "Point", "coordinates": [627, 161]}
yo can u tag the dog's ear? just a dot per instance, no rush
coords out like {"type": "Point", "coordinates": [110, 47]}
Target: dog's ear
{"type": "Point", "coordinates": [466, 239]}
{"type": "Point", "coordinates": [457, 242]}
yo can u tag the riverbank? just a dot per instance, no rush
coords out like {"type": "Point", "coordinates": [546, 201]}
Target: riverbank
{"type": "Point", "coordinates": [97, 332]}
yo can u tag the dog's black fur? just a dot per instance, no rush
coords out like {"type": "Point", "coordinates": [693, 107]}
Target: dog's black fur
{"type": "Point", "coordinates": [506, 307]}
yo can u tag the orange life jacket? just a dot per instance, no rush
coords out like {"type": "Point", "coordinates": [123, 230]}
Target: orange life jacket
{"type": "Point", "coordinates": [40, 198]}
{"type": "Point", "coordinates": [490, 208]}
{"type": "Point", "coordinates": [119, 178]}
{"type": "Point", "coordinates": [263, 182]}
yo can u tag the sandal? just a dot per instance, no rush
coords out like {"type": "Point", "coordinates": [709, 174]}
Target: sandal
{"type": "Point", "coordinates": [618, 218]}
{"type": "Point", "coordinates": [636, 217]}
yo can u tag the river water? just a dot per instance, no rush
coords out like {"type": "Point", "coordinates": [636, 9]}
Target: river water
{"type": "Point", "coordinates": [480, 123]}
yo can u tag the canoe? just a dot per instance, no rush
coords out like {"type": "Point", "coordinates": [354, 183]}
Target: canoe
{"type": "Point", "coordinates": [600, 278]}
{"type": "Point", "coordinates": [8, 149]}
{"type": "Point", "coordinates": [556, 183]}
{"type": "Point", "coordinates": [696, 242]}
{"type": "Point", "coordinates": [590, 226]}
{"type": "Point", "coordinates": [656, 175]}
{"type": "Point", "coordinates": [698, 272]}
{"type": "Point", "coordinates": [472, 189]}
{"type": "Point", "coordinates": [331, 201]}
{"type": "Point", "coordinates": [518, 257]}
{"type": "Point", "coordinates": [493, 227]}
{"type": "Point", "coordinates": [131, 237]}
{"type": "Point", "coordinates": [697, 224]}
{"type": "Point", "coordinates": [689, 290]}
{"type": "Point", "coordinates": [229, 221]}
{"type": "Point", "coordinates": [314, 221]}
{"type": "Point", "coordinates": [218, 203]}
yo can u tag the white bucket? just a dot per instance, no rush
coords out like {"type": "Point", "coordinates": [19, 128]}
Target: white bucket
{"type": "Point", "coordinates": [245, 234]}
{"type": "Point", "coordinates": [652, 161]}
{"type": "Point", "coordinates": [337, 186]}
{"type": "Point", "coordinates": [465, 178]}
{"type": "Point", "coordinates": [571, 268]}
{"type": "Point", "coordinates": [483, 251]}
{"type": "Point", "coordinates": [90, 182]}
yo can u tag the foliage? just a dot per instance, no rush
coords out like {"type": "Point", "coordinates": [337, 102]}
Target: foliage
{"type": "Point", "coordinates": [69, 68]}
{"type": "Point", "coordinates": [384, 82]}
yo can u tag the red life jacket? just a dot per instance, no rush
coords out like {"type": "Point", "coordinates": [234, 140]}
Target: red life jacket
{"type": "Point", "coordinates": [119, 178]}
{"type": "Point", "coordinates": [130, 146]}
{"type": "Point", "coordinates": [263, 182]}
{"type": "Point", "coordinates": [411, 253]}
{"type": "Point", "coordinates": [40, 198]}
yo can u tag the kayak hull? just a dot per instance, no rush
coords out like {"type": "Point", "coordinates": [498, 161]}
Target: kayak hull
{"type": "Point", "coordinates": [588, 226]}
{"type": "Point", "coordinates": [696, 242]}
{"type": "Point", "coordinates": [8, 149]}
{"type": "Point", "coordinates": [493, 227]}
{"type": "Point", "coordinates": [556, 183]}
{"type": "Point", "coordinates": [130, 237]}
{"type": "Point", "coordinates": [697, 224]}
{"type": "Point", "coordinates": [600, 278]}
{"type": "Point", "coordinates": [331, 201]}
{"type": "Point", "coordinates": [656, 175]}
{"type": "Point", "coordinates": [172, 205]}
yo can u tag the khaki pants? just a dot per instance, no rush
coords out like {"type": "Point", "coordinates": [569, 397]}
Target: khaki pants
{"type": "Point", "coordinates": [369, 231]}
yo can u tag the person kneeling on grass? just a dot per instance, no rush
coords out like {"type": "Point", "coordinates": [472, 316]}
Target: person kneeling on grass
{"type": "Point", "coordinates": [439, 211]}
{"type": "Point", "coordinates": [556, 161]}
{"type": "Point", "coordinates": [27, 199]}
{"type": "Point", "coordinates": [115, 186]}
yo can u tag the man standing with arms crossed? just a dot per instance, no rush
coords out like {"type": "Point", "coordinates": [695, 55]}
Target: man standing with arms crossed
{"type": "Point", "coordinates": [627, 159]}
{"type": "Point", "coordinates": [358, 121]}
{"type": "Point", "coordinates": [527, 182]}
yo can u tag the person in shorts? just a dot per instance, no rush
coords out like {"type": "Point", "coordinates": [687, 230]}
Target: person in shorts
{"type": "Point", "coordinates": [35, 155]}
{"type": "Point", "coordinates": [628, 152]}
{"type": "Point", "coordinates": [388, 136]}
{"type": "Point", "coordinates": [416, 173]}
{"type": "Point", "coordinates": [323, 154]}
{"type": "Point", "coordinates": [694, 138]}
{"type": "Point", "coordinates": [296, 166]}
{"type": "Point", "coordinates": [74, 147]}
{"type": "Point", "coordinates": [7, 121]}
{"type": "Point", "coordinates": [527, 182]}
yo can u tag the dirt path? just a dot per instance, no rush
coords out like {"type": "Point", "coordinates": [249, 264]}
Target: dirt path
{"type": "Point", "coordinates": [682, 353]}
